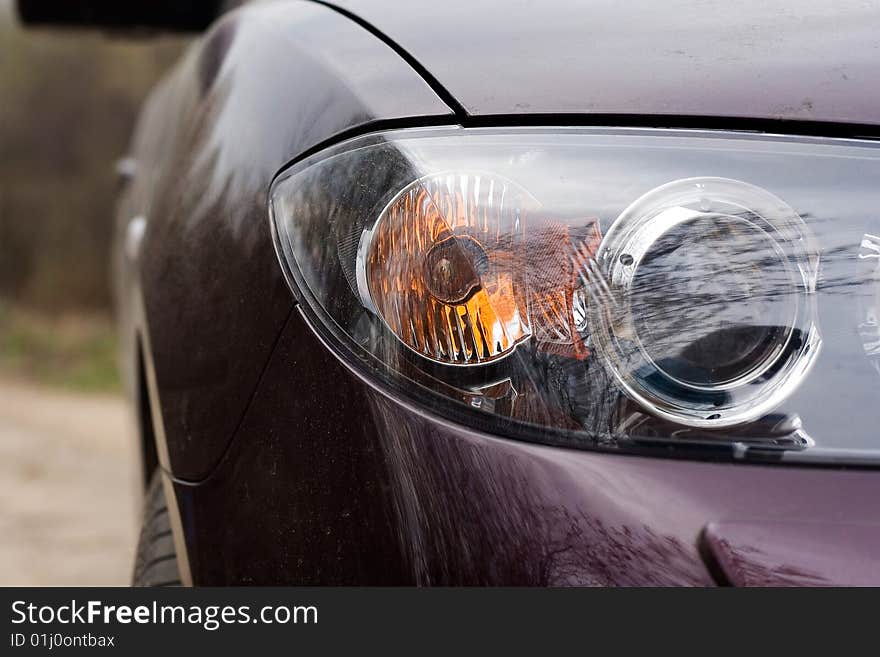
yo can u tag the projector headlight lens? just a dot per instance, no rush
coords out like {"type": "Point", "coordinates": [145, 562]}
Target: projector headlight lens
{"type": "Point", "coordinates": [599, 288]}
{"type": "Point", "coordinates": [711, 317]}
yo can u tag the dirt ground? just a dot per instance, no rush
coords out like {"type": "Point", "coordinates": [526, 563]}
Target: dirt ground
{"type": "Point", "coordinates": [69, 498]}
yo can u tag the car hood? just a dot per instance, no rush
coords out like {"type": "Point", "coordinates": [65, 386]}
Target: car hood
{"type": "Point", "coordinates": [796, 59]}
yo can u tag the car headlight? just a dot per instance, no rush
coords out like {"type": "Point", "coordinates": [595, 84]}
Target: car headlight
{"type": "Point", "coordinates": [610, 288]}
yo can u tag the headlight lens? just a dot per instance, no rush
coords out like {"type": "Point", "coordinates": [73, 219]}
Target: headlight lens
{"type": "Point", "coordinates": [709, 318]}
{"type": "Point", "coordinates": [598, 287]}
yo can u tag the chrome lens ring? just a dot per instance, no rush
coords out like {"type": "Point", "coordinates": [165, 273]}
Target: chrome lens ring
{"type": "Point", "coordinates": [703, 303]}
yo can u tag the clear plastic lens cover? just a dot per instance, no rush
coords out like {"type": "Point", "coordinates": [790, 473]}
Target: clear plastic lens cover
{"type": "Point", "coordinates": [620, 289]}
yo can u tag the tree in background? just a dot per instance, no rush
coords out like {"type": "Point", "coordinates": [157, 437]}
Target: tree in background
{"type": "Point", "coordinates": [68, 102]}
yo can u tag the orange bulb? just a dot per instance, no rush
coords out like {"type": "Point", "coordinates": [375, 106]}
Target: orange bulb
{"type": "Point", "coordinates": [454, 273]}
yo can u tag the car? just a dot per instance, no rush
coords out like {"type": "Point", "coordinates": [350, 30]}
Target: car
{"type": "Point", "coordinates": [505, 293]}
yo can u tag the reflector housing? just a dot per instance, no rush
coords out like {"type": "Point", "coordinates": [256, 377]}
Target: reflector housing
{"type": "Point", "coordinates": [462, 269]}
{"type": "Point", "coordinates": [438, 271]}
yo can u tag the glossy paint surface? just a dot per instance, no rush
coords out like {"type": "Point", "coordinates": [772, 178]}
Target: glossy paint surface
{"type": "Point", "coordinates": [266, 83]}
{"type": "Point", "coordinates": [790, 59]}
{"type": "Point", "coordinates": [785, 553]}
{"type": "Point", "coordinates": [340, 485]}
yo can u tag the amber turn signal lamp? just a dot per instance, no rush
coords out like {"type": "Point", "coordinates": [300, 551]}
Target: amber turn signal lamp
{"type": "Point", "coordinates": [462, 269]}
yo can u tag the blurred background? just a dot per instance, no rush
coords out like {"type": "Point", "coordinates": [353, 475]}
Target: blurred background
{"type": "Point", "coordinates": [68, 478]}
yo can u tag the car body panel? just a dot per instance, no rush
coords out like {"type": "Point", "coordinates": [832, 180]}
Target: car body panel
{"type": "Point", "coordinates": [805, 60]}
{"type": "Point", "coordinates": [338, 484]}
{"type": "Point", "coordinates": [265, 84]}
{"type": "Point", "coordinates": [782, 552]}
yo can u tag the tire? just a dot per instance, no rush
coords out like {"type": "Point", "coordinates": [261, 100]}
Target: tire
{"type": "Point", "coordinates": [156, 560]}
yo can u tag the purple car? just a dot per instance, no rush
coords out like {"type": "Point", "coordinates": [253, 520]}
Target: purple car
{"type": "Point", "coordinates": [505, 293]}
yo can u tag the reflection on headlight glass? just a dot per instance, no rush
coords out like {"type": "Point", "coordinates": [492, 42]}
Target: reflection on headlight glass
{"type": "Point", "coordinates": [601, 288]}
